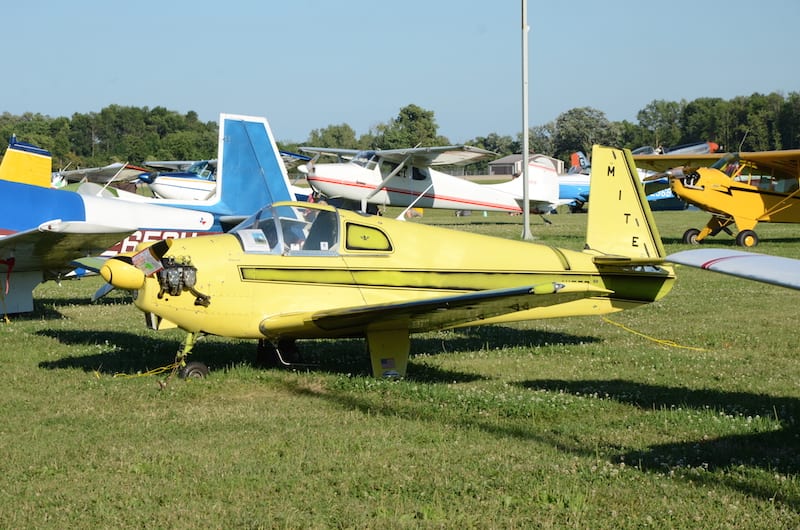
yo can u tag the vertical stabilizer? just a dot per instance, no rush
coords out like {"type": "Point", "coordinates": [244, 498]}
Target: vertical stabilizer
{"type": "Point", "coordinates": [251, 172]}
{"type": "Point", "coordinates": [620, 222]}
{"type": "Point", "coordinates": [27, 164]}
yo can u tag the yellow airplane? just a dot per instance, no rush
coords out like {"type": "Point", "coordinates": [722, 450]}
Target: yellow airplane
{"type": "Point", "coordinates": [301, 270]}
{"type": "Point", "coordinates": [741, 188]}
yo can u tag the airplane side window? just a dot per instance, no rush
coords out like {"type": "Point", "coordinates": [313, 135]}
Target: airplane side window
{"type": "Point", "coordinates": [360, 237]}
{"type": "Point", "coordinates": [417, 174]}
{"type": "Point", "coordinates": [324, 232]}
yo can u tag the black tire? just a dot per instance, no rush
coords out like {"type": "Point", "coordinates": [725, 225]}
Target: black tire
{"type": "Point", "coordinates": [690, 236]}
{"type": "Point", "coordinates": [193, 370]}
{"type": "Point", "coordinates": [746, 238]}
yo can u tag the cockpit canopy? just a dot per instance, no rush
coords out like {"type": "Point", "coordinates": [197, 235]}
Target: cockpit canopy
{"type": "Point", "coordinates": [284, 228]}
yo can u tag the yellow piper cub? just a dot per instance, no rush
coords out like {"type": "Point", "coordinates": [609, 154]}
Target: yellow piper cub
{"type": "Point", "coordinates": [302, 270]}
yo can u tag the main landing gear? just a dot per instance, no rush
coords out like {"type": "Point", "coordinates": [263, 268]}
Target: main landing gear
{"type": "Point", "coordinates": [745, 238]}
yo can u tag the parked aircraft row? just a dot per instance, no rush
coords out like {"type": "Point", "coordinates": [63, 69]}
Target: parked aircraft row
{"type": "Point", "coordinates": [302, 270]}
{"type": "Point", "coordinates": [46, 232]}
{"type": "Point", "coordinates": [295, 270]}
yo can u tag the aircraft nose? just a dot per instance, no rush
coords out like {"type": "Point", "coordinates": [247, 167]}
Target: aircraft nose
{"type": "Point", "coordinates": [122, 275]}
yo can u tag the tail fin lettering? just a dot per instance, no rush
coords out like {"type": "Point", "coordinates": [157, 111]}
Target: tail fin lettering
{"type": "Point", "coordinates": [620, 223]}
{"type": "Point", "coordinates": [27, 164]}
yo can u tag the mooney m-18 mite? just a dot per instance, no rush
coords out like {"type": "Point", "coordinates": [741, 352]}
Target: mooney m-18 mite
{"type": "Point", "coordinates": [300, 271]}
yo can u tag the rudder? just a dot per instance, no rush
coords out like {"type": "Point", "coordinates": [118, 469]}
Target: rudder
{"type": "Point", "coordinates": [251, 172]}
{"type": "Point", "coordinates": [620, 222]}
{"type": "Point", "coordinates": [27, 164]}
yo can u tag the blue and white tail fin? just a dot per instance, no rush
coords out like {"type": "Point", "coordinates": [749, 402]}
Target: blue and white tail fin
{"type": "Point", "coordinates": [250, 172]}
{"type": "Point", "coordinates": [27, 164]}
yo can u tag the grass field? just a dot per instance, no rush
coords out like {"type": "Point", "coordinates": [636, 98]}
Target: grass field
{"type": "Point", "coordinates": [568, 423]}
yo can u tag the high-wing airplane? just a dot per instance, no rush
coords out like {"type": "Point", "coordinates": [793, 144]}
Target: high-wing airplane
{"type": "Point", "coordinates": [775, 270]}
{"type": "Point", "coordinates": [736, 188]}
{"type": "Point", "coordinates": [308, 270]}
{"type": "Point", "coordinates": [196, 180]}
{"type": "Point", "coordinates": [44, 231]}
{"type": "Point", "coordinates": [574, 186]}
{"type": "Point", "coordinates": [404, 177]}
{"type": "Point", "coordinates": [114, 172]}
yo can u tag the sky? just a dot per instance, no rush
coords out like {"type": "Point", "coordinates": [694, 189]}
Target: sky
{"type": "Point", "coordinates": [308, 64]}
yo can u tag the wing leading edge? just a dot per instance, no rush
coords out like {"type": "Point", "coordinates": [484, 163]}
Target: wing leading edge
{"type": "Point", "coordinates": [433, 313]}
{"type": "Point", "coordinates": [775, 270]}
{"type": "Point", "coordinates": [54, 244]}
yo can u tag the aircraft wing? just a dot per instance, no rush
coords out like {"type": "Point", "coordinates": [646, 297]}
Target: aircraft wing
{"type": "Point", "coordinates": [170, 165]}
{"type": "Point", "coordinates": [117, 172]}
{"type": "Point", "coordinates": [417, 156]}
{"type": "Point", "coordinates": [345, 154]}
{"type": "Point", "coordinates": [446, 311]}
{"type": "Point", "coordinates": [176, 165]}
{"type": "Point", "coordinates": [437, 156]}
{"type": "Point", "coordinates": [784, 162]}
{"type": "Point", "coordinates": [667, 161]}
{"type": "Point", "coordinates": [760, 267]}
{"type": "Point", "coordinates": [55, 244]}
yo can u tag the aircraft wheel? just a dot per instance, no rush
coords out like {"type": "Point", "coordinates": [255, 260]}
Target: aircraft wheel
{"type": "Point", "coordinates": [746, 238]}
{"type": "Point", "coordinates": [690, 236]}
{"type": "Point", "coordinates": [193, 370]}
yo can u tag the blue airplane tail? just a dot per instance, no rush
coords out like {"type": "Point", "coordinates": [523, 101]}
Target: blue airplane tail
{"type": "Point", "coordinates": [250, 172]}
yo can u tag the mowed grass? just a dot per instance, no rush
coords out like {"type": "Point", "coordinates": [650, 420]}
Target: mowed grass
{"type": "Point", "coordinates": [569, 423]}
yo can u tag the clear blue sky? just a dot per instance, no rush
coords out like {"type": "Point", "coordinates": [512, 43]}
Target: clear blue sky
{"type": "Point", "coordinates": [307, 64]}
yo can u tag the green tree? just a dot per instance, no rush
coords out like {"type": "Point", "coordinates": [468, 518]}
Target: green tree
{"type": "Point", "coordinates": [339, 136]}
{"type": "Point", "coordinates": [502, 145]}
{"type": "Point", "coordinates": [540, 139]}
{"type": "Point", "coordinates": [579, 129]}
{"type": "Point", "coordinates": [662, 120]}
{"type": "Point", "coordinates": [709, 119]}
{"type": "Point", "coordinates": [412, 126]}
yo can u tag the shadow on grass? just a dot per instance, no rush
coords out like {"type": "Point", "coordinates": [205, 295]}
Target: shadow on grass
{"type": "Point", "coordinates": [120, 352]}
{"type": "Point", "coordinates": [47, 308]}
{"type": "Point", "coordinates": [774, 451]}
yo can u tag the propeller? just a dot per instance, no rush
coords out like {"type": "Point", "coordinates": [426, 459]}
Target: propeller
{"type": "Point", "coordinates": [308, 169]}
{"type": "Point", "coordinates": [676, 172]}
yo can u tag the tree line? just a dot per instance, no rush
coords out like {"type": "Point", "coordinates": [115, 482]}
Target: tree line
{"type": "Point", "coordinates": [134, 134]}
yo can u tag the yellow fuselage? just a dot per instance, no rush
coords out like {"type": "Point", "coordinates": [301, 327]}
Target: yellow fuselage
{"type": "Point", "coordinates": [255, 295]}
{"type": "Point", "coordinates": [716, 192]}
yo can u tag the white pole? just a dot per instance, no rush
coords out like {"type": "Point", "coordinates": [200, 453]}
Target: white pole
{"type": "Point", "coordinates": [526, 214]}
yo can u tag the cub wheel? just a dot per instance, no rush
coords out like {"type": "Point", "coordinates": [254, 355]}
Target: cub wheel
{"type": "Point", "coordinates": [746, 238]}
{"type": "Point", "coordinates": [193, 370]}
{"type": "Point", "coordinates": [690, 236]}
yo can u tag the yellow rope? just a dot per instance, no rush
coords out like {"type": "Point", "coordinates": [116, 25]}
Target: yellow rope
{"type": "Point", "coordinates": [664, 342]}
{"type": "Point", "coordinates": [155, 371]}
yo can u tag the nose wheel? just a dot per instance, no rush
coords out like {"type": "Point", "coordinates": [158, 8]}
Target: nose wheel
{"type": "Point", "coordinates": [193, 370]}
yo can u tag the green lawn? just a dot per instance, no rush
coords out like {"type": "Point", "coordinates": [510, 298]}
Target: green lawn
{"type": "Point", "coordinates": [567, 423]}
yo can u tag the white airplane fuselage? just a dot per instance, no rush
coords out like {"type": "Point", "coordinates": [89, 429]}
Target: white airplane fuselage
{"type": "Point", "coordinates": [417, 186]}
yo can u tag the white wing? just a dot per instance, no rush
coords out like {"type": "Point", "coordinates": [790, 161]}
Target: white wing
{"type": "Point", "coordinates": [760, 267]}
